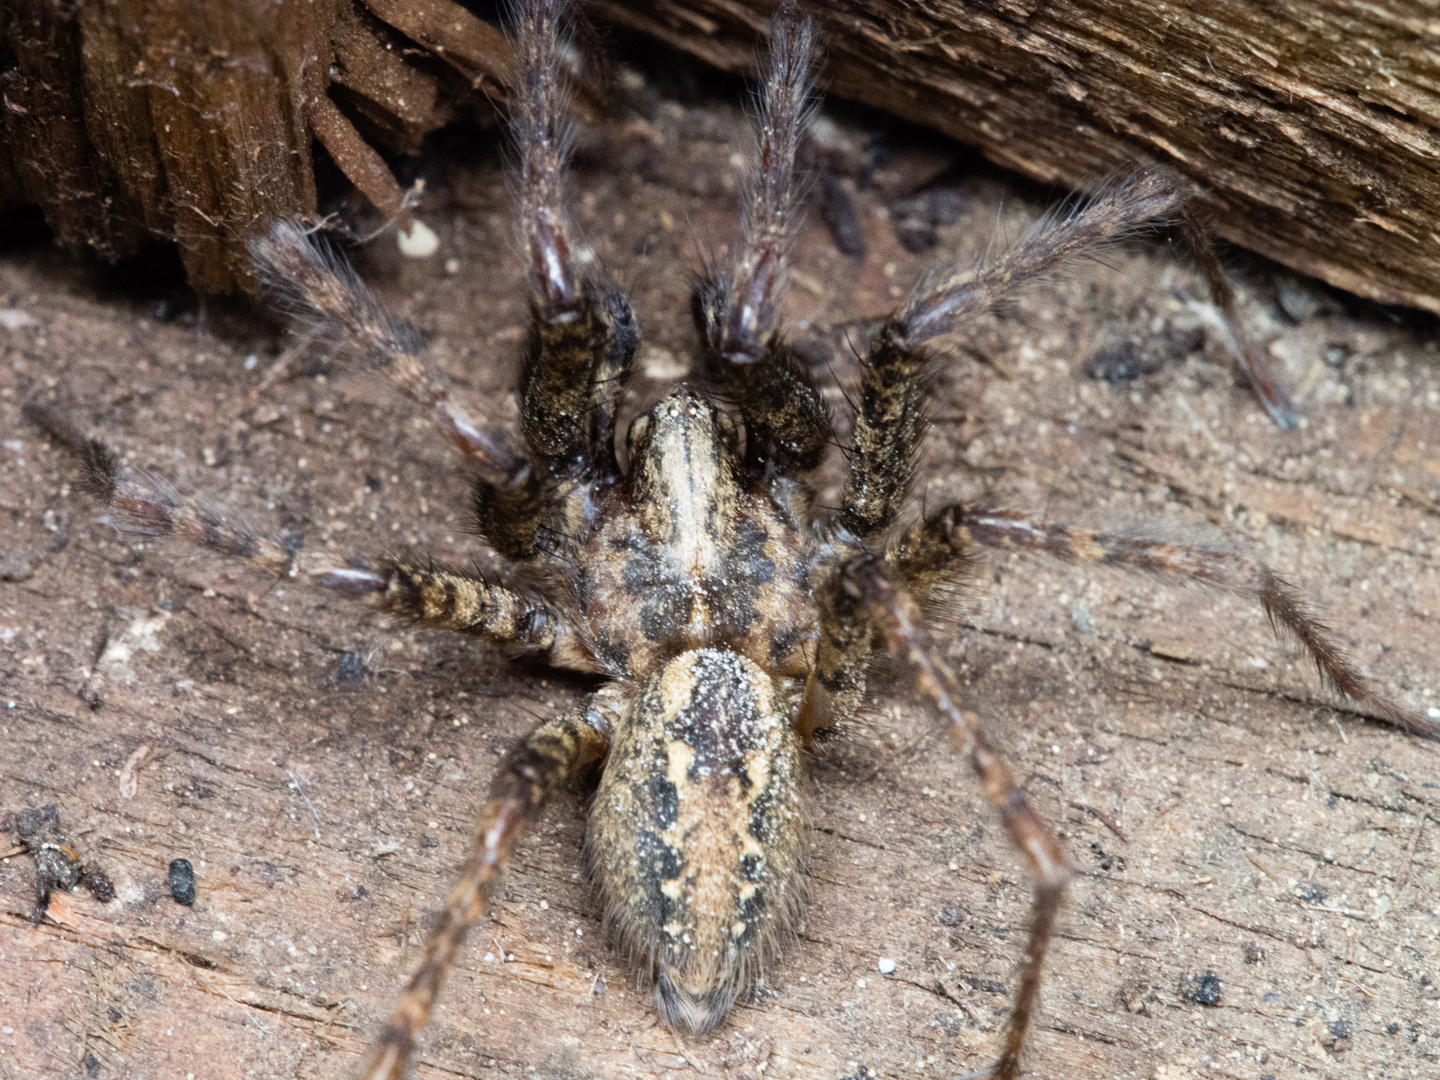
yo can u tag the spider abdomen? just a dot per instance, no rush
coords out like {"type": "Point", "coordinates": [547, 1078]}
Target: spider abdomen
{"type": "Point", "coordinates": [695, 835]}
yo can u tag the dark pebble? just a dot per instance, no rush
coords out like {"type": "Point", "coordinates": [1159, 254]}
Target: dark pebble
{"type": "Point", "coordinates": [182, 882]}
{"type": "Point", "coordinates": [1121, 364]}
{"type": "Point", "coordinates": [352, 667]}
{"type": "Point", "coordinates": [1204, 989]}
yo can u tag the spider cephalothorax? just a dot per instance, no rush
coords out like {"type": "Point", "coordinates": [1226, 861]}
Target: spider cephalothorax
{"type": "Point", "coordinates": [727, 617]}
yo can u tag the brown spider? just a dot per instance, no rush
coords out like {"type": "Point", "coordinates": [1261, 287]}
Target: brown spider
{"type": "Point", "coordinates": [730, 618]}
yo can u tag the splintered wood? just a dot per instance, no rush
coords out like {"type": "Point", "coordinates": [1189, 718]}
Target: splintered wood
{"type": "Point", "coordinates": [138, 120]}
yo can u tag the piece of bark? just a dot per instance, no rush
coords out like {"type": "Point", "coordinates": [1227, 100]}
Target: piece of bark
{"type": "Point", "coordinates": [1315, 127]}
{"type": "Point", "coordinates": [131, 120]}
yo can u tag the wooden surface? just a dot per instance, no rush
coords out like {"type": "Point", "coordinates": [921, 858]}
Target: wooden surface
{"type": "Point", "coordinates": [320, 769]}
{"type": "Point", "coordinates": [1315, 126]}
{"type": "Point", "coordinates": [135, 121]}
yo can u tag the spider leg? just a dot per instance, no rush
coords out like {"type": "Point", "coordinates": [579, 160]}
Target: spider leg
{"type": "Point", "coordinates": [583, 335]}
{"type": "Point", "coordinates": [429, 595]}
{"type": "Point", "coordinates": [1272, 395]}
{"type": "Point", "coordinates": [554, 754]}
{"type": "Point", "coordinates": [846, 645]}
{"type": "Point", "coordinates": [866, 595]}
{"type": "Point", "coordinates": [890, 417]}
{"type": "Point", "coordinates": [317, 286]}
{"type": "Point", "coordinates": [786, 420]}
{"type": "Point", "coordinates": [951, 532]}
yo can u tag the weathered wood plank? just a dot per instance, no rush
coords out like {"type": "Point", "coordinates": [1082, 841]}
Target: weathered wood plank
{"type": "Point", "coordinates": [1314, 126]}
{"type": "Point", "coordinates": [1287, 846]}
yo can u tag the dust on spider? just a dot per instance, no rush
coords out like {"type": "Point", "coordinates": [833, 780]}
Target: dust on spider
{"type": "Point", "coordinates": [731, 618]}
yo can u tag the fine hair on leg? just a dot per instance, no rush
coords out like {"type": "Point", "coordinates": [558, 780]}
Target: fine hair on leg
{"type": "Point", "coordinates": [865, 592]}
{"type": "Point", "coordinates": [1211, 566]}
{"type": "Point", "coordinates": [889, 418]}
{"type": "Point", "coordinates": [786, 419]}
{"type": "Point", "coordinates": [317, 287]}
{"type": "Point", "coordinates": [554, 754]}
{"type": "Point", "coordinates": [583, 332]}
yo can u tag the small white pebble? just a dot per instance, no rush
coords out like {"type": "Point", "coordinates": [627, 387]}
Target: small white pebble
{"type": "Point", "coordinates": [251, 361]}
{"type": "Point", "coordinates": [859, 984]}
{"type": "Point", "coordinates": [489, 958]}
{"type": "Point", "coordinates": [419, 243]}
{"type": "Point", "coordinates": [7, 1031]}
{"type": "Point", "coordinates": [886, 966]}
{"type": "Point", "coordinates": [452, 266]}
{"type": "Point", "coordinates": [217, 935]}
{"type": "Point", "coordinates": [1431, 712]}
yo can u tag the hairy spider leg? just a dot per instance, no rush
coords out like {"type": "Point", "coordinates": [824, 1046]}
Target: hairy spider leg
{"type": "Point", "coordinates": [866, 595]}
{"type": "Point", "coordinates": [890, 416]}
{"type": "Point", "coordinates": [583, 333]}
{"type": "Point", "coordinates": [929, 550]}
{"type": "Point", "coordinates": [553, 755]}
{"type": "Point", "coordinates": [425, 593]}
{"type": "Point", "coordinates": [315, 285]}
{"type": "Point", "coordinates": [787, 423]}
{"type": "Point", "coordinates": [1198, 235]}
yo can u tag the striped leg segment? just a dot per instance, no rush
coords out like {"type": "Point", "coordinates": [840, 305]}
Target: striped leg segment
{"type": "Point", "coordinates": [554, 754]}
{"type": "Point", "coordinates": [143, 505]}
{"type": "Point", "coordinates": [583, 335]}
{"type": "Point", "coordinates": [1181, 564]}
{"type": "Point", "coordinates": [836, 687]}
{"type": "Point", "coordinates": [865, 591]}
{"type": "Point", "coordinates": [787, 422]}
{"type": "Point", "coordinates": [889, 422]}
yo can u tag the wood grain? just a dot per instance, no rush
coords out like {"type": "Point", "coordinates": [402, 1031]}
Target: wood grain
{"type": "Point", "coordinates": [1314, 127]}
{"type": "Point", "coordinates": [320, 770]}
{"type": "Point", "coordinates": [135, 121]}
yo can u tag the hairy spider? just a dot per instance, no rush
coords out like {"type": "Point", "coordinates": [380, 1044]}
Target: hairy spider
{"type": "Point", "coordinates": [730, 618]}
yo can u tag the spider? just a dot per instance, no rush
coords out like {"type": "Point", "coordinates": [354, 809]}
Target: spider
{"type": "Point", "coordinates": [730, 617]}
